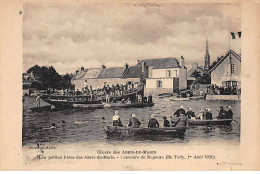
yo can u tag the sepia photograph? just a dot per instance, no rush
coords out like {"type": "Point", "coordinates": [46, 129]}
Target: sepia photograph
{"type": "Point", "coordinates": [134, 86]}
{"type": "Point", "coordinates": [131, 74]}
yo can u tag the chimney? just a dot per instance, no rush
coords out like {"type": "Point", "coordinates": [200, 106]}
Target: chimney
{"type": "Point", "coordinates": [194, 65]}
{"type": "Point", "coordinates": [138, 61]}
{"type": "Point", "coordinates": [150, 71]}
{"type": "Point", "coordinates": [126, 66]}
{"type": "Point", "coordinates": [182, 63]}
{"type": "Point", "coordinates": [103, 66]}
{"type": "Point", "coordinates": [82, 68]}
{"type": "Point", "coordinates": [143, 66]}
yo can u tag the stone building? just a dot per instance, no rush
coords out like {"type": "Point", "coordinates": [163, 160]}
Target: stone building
{"type": "Point", "coordinates": [227, 70]}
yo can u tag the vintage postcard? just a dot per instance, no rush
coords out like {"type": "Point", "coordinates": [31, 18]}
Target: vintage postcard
{"type": "Point", "coordinates": [130, 85]}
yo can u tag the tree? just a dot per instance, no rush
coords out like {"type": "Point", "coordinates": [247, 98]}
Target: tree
{"type": "Point", "coordinates": [48, 77]}
{"type": "Point", "coordinates": [201, 77]}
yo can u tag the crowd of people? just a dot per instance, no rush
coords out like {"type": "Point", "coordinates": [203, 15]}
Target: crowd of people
{"type": "Point", "coordinates": [179, 118]}
{"type": "Point", "coordinates": [118, 89]}
{"type": "Point", "coordinates": [223, 90]}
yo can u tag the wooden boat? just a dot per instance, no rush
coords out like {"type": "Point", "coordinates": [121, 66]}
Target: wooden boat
{"type": "Point", "coordinates": [163, 95]}
{"type": "Point", "coordinates": [113, 131]}
{"type": "Point", "coordinates": [196, 97]}
{"type": "Point", "coordinates": [210, 122]}
{"type": "Point", "coordinates": [180, 99]}
{"type": "Point", "coordinates": [41, 109]}
{"type": "Point", "coordinates": [109, 105]}
{"type": "Point", "coordinates": [89, 101]}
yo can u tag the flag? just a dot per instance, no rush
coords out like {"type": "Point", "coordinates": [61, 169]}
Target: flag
{"type": "Point", "coordinates": [233, 34]}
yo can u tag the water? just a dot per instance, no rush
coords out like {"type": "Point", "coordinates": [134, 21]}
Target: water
{"type": "Point", "coordinates": [84, 126]}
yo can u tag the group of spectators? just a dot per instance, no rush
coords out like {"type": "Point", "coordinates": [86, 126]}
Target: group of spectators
{"type": "Point", "coordinates": [112, 90]}
{"type": "Point", "coordinates": [221, 90]}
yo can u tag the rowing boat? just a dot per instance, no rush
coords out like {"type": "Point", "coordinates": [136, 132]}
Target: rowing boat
{"type": "Point", "coordinates": [113, 131]}
{"type": "Point", "coordinates": [210, 122]}
{"type": "Point", "coordinates": [41, 109]}
{"type": "Point", "coordinates": [180, 99]}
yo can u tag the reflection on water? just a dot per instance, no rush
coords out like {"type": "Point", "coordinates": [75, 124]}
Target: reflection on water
{"type": "Point", "coordinates": [85, 125]}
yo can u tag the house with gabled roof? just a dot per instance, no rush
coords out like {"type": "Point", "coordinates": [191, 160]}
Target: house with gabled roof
{"type": "Point", "coordinates": [97, 77]}
{"type": "Point", "coordinates": [165, 74]}
{"type": "Point", "coordinates": [226, 72]}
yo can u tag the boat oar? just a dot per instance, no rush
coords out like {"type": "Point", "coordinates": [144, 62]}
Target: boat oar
{"type": "Point", "coordinates": [235, 120]}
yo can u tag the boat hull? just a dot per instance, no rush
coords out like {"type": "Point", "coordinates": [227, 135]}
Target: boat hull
{"type": "Point", "coordinates": [113, 131]}
{"type": "Point", "coordinates": [210, 122]}
{"type": "Point", "coordinates": [41, 109]}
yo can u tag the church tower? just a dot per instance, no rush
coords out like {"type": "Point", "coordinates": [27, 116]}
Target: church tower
{"type": "Point", "coordinates": [207, 57]}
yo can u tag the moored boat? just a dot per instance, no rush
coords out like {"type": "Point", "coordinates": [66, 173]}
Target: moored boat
{"type": "Point", "coordinates": [210, 122]}
{"type": "Point", "coordinates": [113, 131]}
{"type": "Point", "coordinates": [111, 105]}
{"type": "Point", "coordinates": [41, 109]}
{"type": "Point", "coordinates": [95, 100]}
{"type": "Point", "coordinates": [180, 99]}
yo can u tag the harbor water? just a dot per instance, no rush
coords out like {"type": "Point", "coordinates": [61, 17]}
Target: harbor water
{"type": "Point", "coordinates": [86, 127]}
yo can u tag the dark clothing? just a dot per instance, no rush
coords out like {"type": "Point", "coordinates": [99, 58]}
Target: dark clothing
{"type": "Point", "coordinates": [181, 121]}
{"type": "Point", "coordinates": [153, 123]}
{"type": "Point", "coordinates": [166, 123]}
{"type": "Point", "coordinates": [134, 123]}
{"type": "Point", "coordinates": [190, 114]}
{"type": "Point", "coordinates": [221, 114]}
{"type": "Point", "coordinates": [117, 123]}
{"type": "Point", "coordinates": [208, 116]}
{"type": "Point", "coordinates": [179, 111]}
{"type": "Point", "coordinates": [150, 99]}
{"type": "Point", "coordinates": [229, 114]}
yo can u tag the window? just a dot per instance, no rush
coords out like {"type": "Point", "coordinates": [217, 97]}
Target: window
{"type": "Point", "coordinates": [228, 83]}
{"type": "Point", "coordinates": [159, 83]}
{"type": "Point", "coordinates": [232, 68]}
{"type": "Point", "coordinates": [168, 73]}
{"type": "Point", "coordinates": [175, 73]}
{"type": "Point", "coordinates": [234, 83]}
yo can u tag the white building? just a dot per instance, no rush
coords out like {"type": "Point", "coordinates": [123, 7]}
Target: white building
{"type": "Point", "coordinates": [165, 74]}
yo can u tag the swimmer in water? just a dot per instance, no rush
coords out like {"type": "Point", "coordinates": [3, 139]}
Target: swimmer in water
{"type": "Point", "coordinates": [53, 126]}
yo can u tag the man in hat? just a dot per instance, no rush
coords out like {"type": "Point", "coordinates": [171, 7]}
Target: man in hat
{"type": "Point", "coordinates": [222, 113]}
{"type": "Point", "coordinates": [208, 115]}
{"type": "Point", "coordinates": [153, 123]}
{"type": "Point", "coordinates": [179, 111]}
{"type": "Point", "coordinates": [182, 121]}
{"type": "Point", "coordinates": [190, 114]}
{"type": "Point", "coordinates": [166, 123]}
{"type": "Point", "coordinates": [134, 122]}
{"type": "Point", "coordinates": [229, 113]}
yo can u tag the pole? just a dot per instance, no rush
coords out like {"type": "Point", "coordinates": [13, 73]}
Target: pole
{"type": "Point", "coordinates": [228, 41]}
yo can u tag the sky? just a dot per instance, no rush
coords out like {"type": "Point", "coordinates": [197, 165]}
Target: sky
{"type": "Point", "coordinates": [71, 35]}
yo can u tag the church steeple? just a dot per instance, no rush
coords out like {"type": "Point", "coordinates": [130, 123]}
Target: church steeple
{"type": "Point", "coordinates": [207, 57]}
